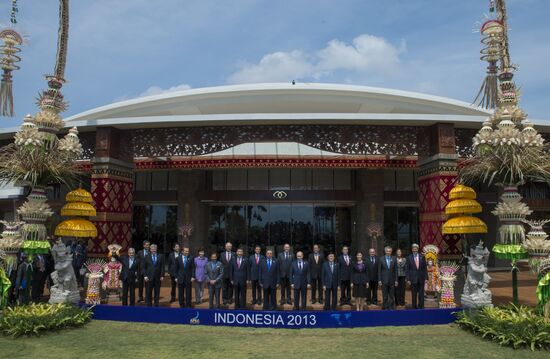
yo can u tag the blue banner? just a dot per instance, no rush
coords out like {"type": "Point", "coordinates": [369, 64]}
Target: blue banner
{"type": "Point", "coordinates": [275, 319]}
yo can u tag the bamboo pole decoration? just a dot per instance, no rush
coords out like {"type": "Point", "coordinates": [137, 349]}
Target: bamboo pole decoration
{"type": "Point", "coordinates": [9, 59]}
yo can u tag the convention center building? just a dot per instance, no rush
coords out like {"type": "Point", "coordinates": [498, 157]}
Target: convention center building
{"type": "Point", "coordinates": [271, 164]}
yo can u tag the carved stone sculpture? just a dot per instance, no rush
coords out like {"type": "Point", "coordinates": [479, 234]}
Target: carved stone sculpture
{"type": "Point", "coordinates": [65, 288]}
{"type": "Point", "coordinates": [476, 292]}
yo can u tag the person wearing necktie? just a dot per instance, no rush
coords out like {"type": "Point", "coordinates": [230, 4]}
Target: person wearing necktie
{"type": "Point", "coordinates": [330, 276]}
{"type": "Point", "coordinates": [417, 276]}
{"type": "Point", "coordinates": [185, 277]}
{"type": "Point", "coordinates": [254, 273]}
{"type": "Point", "coordinates": [269, 280]}
{"type": "Point", "coordinates": [300, 281]}
{"type": "Point", "coordinates": [128, 275]}
{"type": "Point", "coordinates": [344, 261]}
{"type": "Point", "coordinates": [316, 260]}
{"type": "Point", "coordinates": [226, 257]}
{"type": "Point", "coordinates": [387, 278]}
{"type": "Point", "coordinates": [172, 258]}
{"type": "Point", "coordinates": [239, 279]}
{"type": "Point", "coordinates": [141, 258]}
{"type": "Point", "coordinates": [372, 288]}
{"type": "Point", "coordinates": [285, 260]}
{"type": "Point", "coordinates": [213, 272]}
{"type": "Point", "coordinates": [153, 274]}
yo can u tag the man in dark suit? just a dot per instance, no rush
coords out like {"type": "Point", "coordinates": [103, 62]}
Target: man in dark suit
{"type": "Point", "coordinates": [253, 274]}
{"type": "Point", "coordinates": [184, 273]}
{"type": "Point", "coordinates": [417, 275]}
{"type": "Point", "coordinates": [387, 278]}
{"type": "Point", "coordinates": [226, 257]}
{"type": "Point", "coordinates": [39, 276]}
{"type": "Point", "coordinates": [128, 275]}
{"type": "Point", "coordinates": [285, 260]}
{"type": "Point", "coordinates": [239, 278]}
{"type": "Point", "coordinates": [214, 276]}
{"type": "Point", "coordinates": [172, 259]}
{"type": "Point", "coordinates": [316, 260]}
{"type": "Point", "coordinates": [269, 280]}
{"type": "Point", "coordinates": [141, 257]}
{"type": "Point", "coordinates": [372, 267]}
{"type": "Point", "coordinates": [344, 261]}
{"type": "Point", "coordinates": [300, 281]}
{"type": "Point", "coordinates": [153, 274]}
{"type": "Point", "coordinates": [330, 276]}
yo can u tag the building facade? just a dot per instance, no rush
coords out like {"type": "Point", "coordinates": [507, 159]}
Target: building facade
{"type": "Point", "coordinates": [271, 164]}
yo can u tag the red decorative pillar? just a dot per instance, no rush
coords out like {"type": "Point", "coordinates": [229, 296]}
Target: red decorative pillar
{"type": "Point", "coordinates": [437, 176]}
{"type": "Point", "coordinates": [112, 189]}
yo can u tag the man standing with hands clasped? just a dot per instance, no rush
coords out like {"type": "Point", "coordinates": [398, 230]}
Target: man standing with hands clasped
{"type": "Point", "coordinates": [185, 269]}
{"type": "Point", "coordinates": [239, 279]}
{"type": "Point", "coordinates": [300, 281]}
{"type": "Point", "coordinates": [387, 278]}
{"type": "Point", "coordinates": [269, 280]}
{"type": "Point", "coordinates": [417, 276]}
{"type": "Point", "coordinates": [153, 274]}
{"type": "Point", "coordinates": [330, 276]}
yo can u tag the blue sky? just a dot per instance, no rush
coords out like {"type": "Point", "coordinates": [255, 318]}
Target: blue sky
{"type": "Point", "coordinates": [127, 48]}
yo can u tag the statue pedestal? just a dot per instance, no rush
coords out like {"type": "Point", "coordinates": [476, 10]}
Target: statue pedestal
{"type": "Point", "coordinates": [64, 296]}
{"type": "Point", "coordinates": [467, 301]}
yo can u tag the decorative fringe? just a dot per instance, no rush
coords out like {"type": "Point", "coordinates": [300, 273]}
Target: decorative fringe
{"type": "Point", "coordinates": [6, 95]}
{"type": "Point", "coordinates": [487, 97]}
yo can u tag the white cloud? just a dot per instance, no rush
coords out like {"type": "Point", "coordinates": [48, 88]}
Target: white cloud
{"type": "Point", "coordinates": [154, 90]}
{"type": "Point", "coordinates": [366, 54]}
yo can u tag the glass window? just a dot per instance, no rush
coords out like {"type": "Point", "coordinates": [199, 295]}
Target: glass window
{"type": "Point", "coordinates": [236, 180]}
{"type": "Point", "coordinates": [389, 180]}
{"type": "Point", "coordinates": [159, 181]}
{"type": "Point", "coordinates": [258, 179]}
{"type": "Point", "coordinates": [279, 225]}
{"type": "Point", "coordinates": [279, 179]}
{"type": "Point", "coordinates": [401, 227]}
{"type": "Point", "coordinates": [302, 227]}
{"type": "Point", "coordinates": [143, 181]}
{"type": "Point", "coordinates": [342, 180]}
{"type": "Point", "coordinates": [300, 179]}
{"type": "Point", "coordinates": [258, 224]}
{"type": "Point", "coordinates": [324, 228]}
{"type": "Point", "coordinates": [218, 180]}
{"type": "Point", "coordinates": [173, 180]}
{"type": "Point", "coordinates": [156, 223]}
{"type": "Point", "coordinates": [405, 180]}
{"type": "Point", "coordinates": [216, 227]}
{"type": "Point", "coordinates": [236, 226]}
{"type": "Point", "coordinates": [323, 179]}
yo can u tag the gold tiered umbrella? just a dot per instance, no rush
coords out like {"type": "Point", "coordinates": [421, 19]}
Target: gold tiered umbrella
{"type": "Point", "coordinates": [79, 203]}
{"type": "Point", "coordinates": [462, 206]}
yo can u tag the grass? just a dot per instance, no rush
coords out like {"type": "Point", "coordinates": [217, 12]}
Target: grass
{"type": "Point", "coordinates": [104, 339]}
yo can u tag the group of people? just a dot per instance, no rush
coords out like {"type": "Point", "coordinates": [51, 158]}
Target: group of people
{"type": "Point", "coordinates": [228, 275]}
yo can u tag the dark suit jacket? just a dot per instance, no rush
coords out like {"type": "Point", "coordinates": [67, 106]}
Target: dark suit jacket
{"type": "Point", "coordinates": [269, 278]}
{"type": "Point", "coordinates": [299, 278]}
{"type": "Point", "coordinates": [214, 273]}
{"type": "Point", "coordinates": [373, 268]}
{"type": "Point", "coordinates": [315, 268]}
{"type": "Point", "coordinates": [151, 270]}
{"type": "Point", "coordinates": [172, 263]}
{"type": "Point", "coordinates": [388, 276]}
{"type": "Point", "coordinates": [226, 264]}
{"type": "Point", "coordinates": [128, 274]}
{"type": "Point", "coordinates": [141, 258]}
{"type": "Point", "coordinates": [345, 269]}
{"type": "Point", "coordinates": [184, 273]}
{"type": "Point", "coordinates": [239, 275]}
{"type": "Point", "coordinates": [284, 264]}
{"type": "Point", "coordinates": [359, 277]}
{"type": "Point", "coordinates": [414, 275]}
{"type": "Point", "coordinates": [330, 279]}
{"type": "Point", "coordinates": [253, 268]}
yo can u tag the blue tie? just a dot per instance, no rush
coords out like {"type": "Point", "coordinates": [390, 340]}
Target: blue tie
{"type": "Point", "coordinates": [184, 262]}
{"type": "Point", "coordinates": [154, 259]}
{"type": "Point", "coordinates": [388, 261]}
{"type": "Point", "coordinates": [269, 265]}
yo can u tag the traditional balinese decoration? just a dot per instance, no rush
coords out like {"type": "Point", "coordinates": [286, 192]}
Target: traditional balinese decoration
{"type": "Point", "coordinates": [10, 244]}
{"type": "Point", "coordinates": [543, 288]}
{"type": "Point", "coordinates": [5, 283]}
{"type": "Point", "coordinates": [37, 158]}
{"type": "Point", "coordinates": [9, 59]}
{"type": "Point", "coordinates": [536, 244]}
{"type": "Point", "coordinates": [95, 274]}
{"type": "Point", "coordinates": [112, 269]}
{"type": "Point", "coordinates": [79, 204]}
{"type": "Point", "coordinates": [433, 283]}
{"type": "Point", "coordinates": [64, 288]}
{"type": "Point", "coordinates": [461, 207]}
{"type": "Point", "coordinates": [476, 292]}
{"type": "Point", "coordinates": [508, 150]}
{"type": "Point", "coordinates": [186, 230]}
{"type": "Point", "coordinates": [447, 270]}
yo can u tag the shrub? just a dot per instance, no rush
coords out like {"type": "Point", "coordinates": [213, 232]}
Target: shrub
{"type": "Point", "coordinates": [509, 326]}
{"type": "Point", "coordinates": [34, 319]}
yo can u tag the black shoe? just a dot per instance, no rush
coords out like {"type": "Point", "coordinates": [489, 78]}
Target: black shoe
{"type": "Point", "coordinates": [253, 302]}
{"type": "Point", "coordinates": [259, 302]}
{"type": "Point", "coordinates": [140, 300]}
{"type": "Point", "coordinates": [313, 301]}
{"type": "Point", "coordinates": [321, 301]}
{"type": "Point", "coordinates": [288, 301]}
{"type": "Point", "coordinates": [375, 302]}
{"type": "Point", "coordinates": [282, 302]}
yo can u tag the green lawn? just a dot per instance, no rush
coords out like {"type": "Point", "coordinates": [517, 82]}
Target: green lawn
{"type": "Point", "coordinates": [112, 340]}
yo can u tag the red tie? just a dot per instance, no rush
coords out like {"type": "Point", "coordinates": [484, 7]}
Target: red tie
{"type": "Point", "coordinates": [257, 259]}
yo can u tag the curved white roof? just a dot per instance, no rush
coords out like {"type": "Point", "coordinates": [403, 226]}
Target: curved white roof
{"type": "Point", "coordinates": [279, 102]}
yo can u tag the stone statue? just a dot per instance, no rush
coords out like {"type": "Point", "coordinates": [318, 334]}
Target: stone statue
{"type": "Point", "coordinates": [65, 288]}
{"type": "Point", "coordinates": [476, 292]}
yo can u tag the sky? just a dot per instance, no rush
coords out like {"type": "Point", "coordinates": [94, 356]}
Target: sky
{"type": "Point", "coordinates": [129, 48]}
